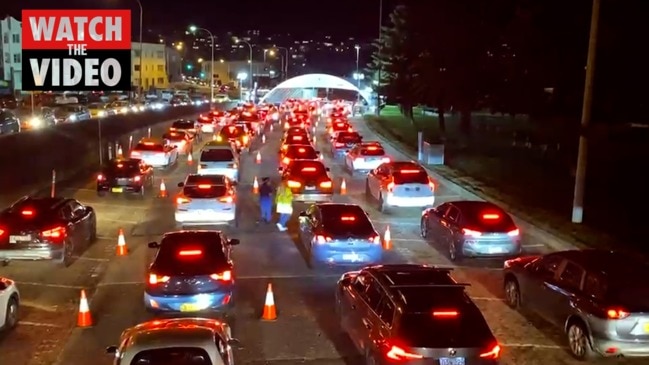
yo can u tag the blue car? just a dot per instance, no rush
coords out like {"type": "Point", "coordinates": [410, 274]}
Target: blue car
{"type": "Point", "coordinates": [192, 272]}
{"type": "Point", "coordinates": [339, 234]}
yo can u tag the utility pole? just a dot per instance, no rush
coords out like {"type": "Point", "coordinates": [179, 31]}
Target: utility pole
{"type": "Point", "coordinates": [586, 114]}
{"type": "Point", "coordinates": [380, 50]}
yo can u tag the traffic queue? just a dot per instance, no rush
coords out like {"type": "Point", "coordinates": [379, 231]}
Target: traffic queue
{"type": "Point", "coordinates": [393, 313]}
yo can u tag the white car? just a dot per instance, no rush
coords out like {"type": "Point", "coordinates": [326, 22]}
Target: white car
{"type": "Point", "coordinates": [400, 184]}
{"type": "Point", "coordinates": [365, 156]}
{"type": "Point", "coordinates": [196, 341]}
{"type": "Point", "coordinates": [156, 153]}
{"type": "Point", "coordinates": [221, 98]}
{"type": "Point", "coordinates": [9, 302]}
{"type": "Point", "coordinates": [219, 160]}
{"type": "Point", "coordinates": [206, 200]}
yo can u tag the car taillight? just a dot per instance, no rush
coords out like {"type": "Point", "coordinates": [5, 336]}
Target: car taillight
{"type": "Point", "coordinates": [320, 239]}
{"type": "Point", "coordinates": [157, 279]}
{"type": "Point", "coordinates": [376, 239]}
{"type": "Point", "coordinates": [246, 139]}
{"type": "Point", "coordinates": [182, 200]}
{"type": "Point", "coordinates": [339, 144]}
{"type": "Point", "coordinates": [100, 177]}
{"type": "Point", "coordinates": [2, 232]}
{"type": "Point", "coordinates": [55, 233]}
{"type": "Point", "coordinates": [293, 184]}
{"type": "Point", "coordinates": [390, 187]}
{"type": "Point", "coordinates": [616, 313]}
{"type": "Point", "coordinates": [493, 353]}
{"type": "Point", "coordinates": [471, 233]}
{"type": "Point", "coordinates": [135, 153]}
{"type": "Point", "coordinates": [431, 184]}
{"type": "Point", "coordinates": [514, 232]}
{"type": "Point", "coordinates": [224, 276]}
{"type": "Point", "coordinates": [286, 160]}
{"type": "Point", "coordinates": [226, 199]}
{"type": "Point", "coordinates": [399, 354]}
{"type": "Point", "coordinates": [326, 184]}
{"type": "Point", "coordinates": [286, 125]}
{"type": "Point", "coordinates": [137, 178]}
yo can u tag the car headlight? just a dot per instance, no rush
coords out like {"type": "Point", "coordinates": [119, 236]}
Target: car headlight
{"type": "Point", "coordinates": [124, 110]}
{"type": "Point", "coordinates": [36, 122]}
{"type": "Point", "coordinates": [73, 117]}
{"type": "Point", "coordinates": [101, 114]}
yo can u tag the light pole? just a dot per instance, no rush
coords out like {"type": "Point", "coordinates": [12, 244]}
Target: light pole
{"type": "Point", "coordinates": [358, 56]}
{"type": "Point", "coordinates": [237, 40]}
{"type": "Point", "coordinates": [285, 70]}
{"type": "Point", "coordinates": [193, 29]}
{"type": "Point", "coordinates": [241, 76]}
{"type": "Point", "coordinates": [139, 87]}
{"type": "Point", "coordinates": [380, 51]}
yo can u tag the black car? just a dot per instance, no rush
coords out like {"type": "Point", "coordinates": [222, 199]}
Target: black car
{"type": "Point", "coordinates": [413, 314]}
{"type": "Point", "coordinates": [46, 229]}
{"type": "Point", "coordinates": [9, 122]}
{"type": "Point", "coordinates": [129, 175]}
{"type": "Point", "coordinates": [308, 180]}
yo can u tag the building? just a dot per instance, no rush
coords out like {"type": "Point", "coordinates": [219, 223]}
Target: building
{"type": "Point", "coordinates": [11, 65]}
{"type": "Point", "coordinates": [154, 70]}
{"type": "Point", "coordinates": [225, 72]}
{"type": "Point", "coordinates": [174, 64]}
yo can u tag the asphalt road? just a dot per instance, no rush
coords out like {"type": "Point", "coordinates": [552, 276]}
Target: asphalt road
{"type": "Point", "coordinates": [306, 331]}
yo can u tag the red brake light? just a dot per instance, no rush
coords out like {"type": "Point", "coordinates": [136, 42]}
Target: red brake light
{"type": "Point", "coordinates": [301, 150]}
{"type": "Point", "coordinates": [372, 148]}
{"type": "Point", "coordinates": [491, 216]}
{"type": "Point", "coordinates": [340, 125]}
{"type": "Point", "coordinates": [137, 178]}
{"type": "Point", "coordinates": [431, 184]}
{"type": "Point", "coordinates": [297, 138]}
{"type": "Point", "coordinates": [134, 153]}
{"type": "Point", "coordinates": [337, 144]}
{"type": "Point", "coordinates": [204, 186]}
{"type": "Point", "coordinates": [2, 232]}
{"type": "Point", "coordinates": [350, 129]}
{"type": "Point", "coordinates": [347, 218]}
{"type": "Point", "coordinates": [616, 313]}
{"type": "Point", "coordinates": [224, 276]}
{"type": "Point", "coordinates": [149, 144]}
{"type": "Point", "coordinates": [231, 129]}
{"type": "Point", "coordinates": [322, 239]}
{"type": "Point", "coordinates": [100, 177]}
{"type": "Point", "coordinates": [409, 171]}
{"type": "Point", "coordinates": [445, 314]}
{"type": "Point", "coordinates": [155, 279]}
{"type": "Point", "coordinates": [27, 213]}
{"type": "Point", "coordinates": [471, 233]}
{"type": "Point", "coordinates": [309, 169]}
{"type": "Point", "coordinates": [119, 165]}
{"type": "Point", "coordinates": [493, 353]}
{"type": "Point", "coordinates": [397, 353]}
{"type": "Point", "coordinates": [190, 253]}
{"type": "Point", "coordinates": [514, 233]}
{"type": "Point", "coordinates": [286, 161]}
{"type": "Point", "coordinates": [293, 184]}
{"type": "Point", "coordinates": [376, 239]}
{"type": "Point", "coordinates": [54, 233]}
{"type": "Point", "coordinates": [326, 184]}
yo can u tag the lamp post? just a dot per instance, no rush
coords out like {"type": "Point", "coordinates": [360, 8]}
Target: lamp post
{"type": "Point", "coordinates": [241, 76]}
{"type": "Point", "coordinates": [193, 29]}
{"type": "Point", "coordinates": [285, 68]}
{"type": "Point", "coordinates": [380, 51]}
{"type": "Point", "coordinates": [237, 40]}
{"type": "Point", "coordinates": [358, 56]}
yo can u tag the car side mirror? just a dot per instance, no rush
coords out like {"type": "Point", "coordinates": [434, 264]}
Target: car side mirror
{"type": "Point", "coordinates": [153, 245]}
{"type": "Point", "coordinates": [328, 169]}
{"type": "Point", "coordinates": [181, 184]}
{"type": "Point", "coordinates": [234, 343]}
{"type": "Point", "coordinates": [233, 242]}
{"type": "Point", "coordinates": [303, 215]}
{"type": "Point", "coordinates": [111, 350]}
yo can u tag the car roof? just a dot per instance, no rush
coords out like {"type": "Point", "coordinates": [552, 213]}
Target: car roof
{"type": "Point", "coordinates": [413, 275]}
{"type": "Point", "coordinates": [181, 236]}
{"type": "Point", "coordinates": [175, 332]}
{"type": "Point", "coordinates": [612, 263]}
{"type": "Point", "coordinates": [151, 140]}
{"type": "Point", "coordinates": [38, 203]}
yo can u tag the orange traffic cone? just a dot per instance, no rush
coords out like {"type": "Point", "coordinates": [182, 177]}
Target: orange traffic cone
{"type": "Point", "coordinates": [163, 189]}
{"type": "Point", "coordinates": [343, 187]}
{"type": "Point", "coordinates": [258, 158]}
{"type": "Point", "coordinates": [270, 312]}
{"type": "Point", "coordinates": [387, 239]}
{"type": "Point", "coordinates": [84, 319]}
{"type": "Point", "coordinates": [190, 159]}
{"type": "Point", "coordinates": [255, 186]}
{"type": "Point", "coordinates": [121, 244]}
{"type": "Point", "coordinates": [263, 138]}
{"type": "Point", "coordinates": [120, 153]}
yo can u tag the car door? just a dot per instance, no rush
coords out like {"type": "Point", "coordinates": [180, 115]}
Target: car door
{"type": "Point", "coordinates": [351, 304]}
{"type": "Point", "coordinates": [82, 222]}
{"type": "Point", "coordinates": [448, 225]}
{"type": "Point", "coordinates": [311, 225]}
{"type": "Point", "coordinates": [368, 315]}
{"type": "Point", "coordinates": [375, 180]}
{"type": "Point", "coordinates": [533, 278]}
{"type": "Point", "coordinates": [434, 221]}
{"type": "Point", "coordinates": [350, 156]}
{"type": "Point", "coordinates": [560, 296]}
{"type": "Point", "coordinates": [381, 327]}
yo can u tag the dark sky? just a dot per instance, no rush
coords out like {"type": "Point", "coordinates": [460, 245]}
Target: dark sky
{"type": "Point", "coordinates": [357, 18]}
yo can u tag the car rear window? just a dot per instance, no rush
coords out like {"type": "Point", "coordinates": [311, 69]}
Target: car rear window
{"type": "Point", "coordinates": [154, 147]}
{"type": "Point", "coordinates": [349, 138]}
{"type": "Point", "coordinates": [346, 220]}
{"type": "Point", "coordinates": [232, 131]}
{"type": "Point", "coordinates": [340, 126]}
{"type": "Point", "coordinates": [487, 218]}
{"type": "Point", "coordinates": [301, 152]}
{"type": "Point", "coordinates": [174, 136]}
{"type": "Point", "coordinates": [248, 117]}
{"type": "Point", "coordinates": [410, 175]}
{"type": "Point", "coordinates": [208, 256]}
{"type": "Point", "coordinates": [172, 356]}
{"type": "Point", "coordinates": [183, 125]}
{"type": "Point", "coordinates": [217, 155]}
{"type": "Point", "coordinates": [122, 169]}
{"type": "Point", "coordinates": [204, 191]}
{"type": "Point", "coordinates": [373, 151]}
{"type": "Point", "coordinates": [309, 168]}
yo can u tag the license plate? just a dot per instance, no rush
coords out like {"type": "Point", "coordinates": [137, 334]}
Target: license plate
{"type": "Point", "coordinates": [16, 239]}
{"type": "Point", "coordinates": [646, 327]}
{"type": "Point", "coordinates": [451, 361]}
{"type": "Point", "coordinates": [117, 190]}
{"type": "Point", "coordinates": [350, 257]}
{"type": "Point", "coordinates": [309, 188]}
{"type": "Point", "coordinates": [495, 250]}
{"type": "Point", "coordinates": [189, 307]}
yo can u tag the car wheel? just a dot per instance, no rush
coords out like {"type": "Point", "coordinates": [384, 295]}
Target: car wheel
{"type": "Point", "coordinates": [578, 341]}
{"type": "Point", "coordinates": [452, 252]}
{"type": "Point", "coordinates": [423, 228]}
{"type": "Point", "coordinates": [512, 293]}
{"type": "Point", "coordinates": [11, 314]}
{"type": "Point", "coordinates": [66, 258]}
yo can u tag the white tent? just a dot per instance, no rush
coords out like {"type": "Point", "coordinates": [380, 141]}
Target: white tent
{"type": "Point", "coordinates": [295, 87]}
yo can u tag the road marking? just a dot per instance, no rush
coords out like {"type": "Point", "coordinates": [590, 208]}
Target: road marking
{"type": "Point", "coordinates": [95, 259]}
{"type": "Point", "coordinates": [32, 304]}
{"type": "Point", "coordinates": [542, 346]}
{"type": "Point", "coordinates": [488, 299]}
{"type": "Point", "coordinates": [38, 324]}
{"type": "Point", "coordinates": [534, 245]}
{"type": "Point", "coordinates": [58, 286]}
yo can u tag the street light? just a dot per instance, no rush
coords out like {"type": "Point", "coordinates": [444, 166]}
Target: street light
{"type": "Point", "coordinates": [285, 68]}
{"type": "Point", "coordinates": [241, 76]}
{"type": "Point", "coordinates": [380, 51]}
{"type": "Point", "coordinates": [237, 41]}
{"type": "Point", "coordinates": [222, 60]}
{"type": "Point", "coordinates": [179, 46]}
{"type": "Point", "coordinates": [358, 56]}
{"type": "Point", "coordinates": [200, 60]}
{"type": "Point", "coordinates": [194, 29]}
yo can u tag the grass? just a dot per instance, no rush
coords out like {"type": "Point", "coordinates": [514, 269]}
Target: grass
{"type": "Point", "coordinates": [528, 165]}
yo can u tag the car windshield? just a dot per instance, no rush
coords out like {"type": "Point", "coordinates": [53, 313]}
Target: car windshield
{"type": "Point", "coordinates": [310, 168]}
{"type": "Point", "coordinates": [154, 147]}
{"type": "Point", "coordinates": [204, 191]}
{"type": "Point", "coordinates": [348, 137]}
{"type": "Point", "coordinates": [172, 356]}
{"type": "Point", "coordinates": [232, 131]}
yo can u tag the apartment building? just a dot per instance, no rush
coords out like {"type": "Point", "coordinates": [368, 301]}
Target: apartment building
{"type": "Point", "coordinates": [11, 47]}
{"type": "Point", "coordinates": [153, 68]}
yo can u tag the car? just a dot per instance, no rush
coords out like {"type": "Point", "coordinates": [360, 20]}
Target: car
{"type": "Point", "coordinates": [335, 118]}
{"type": "Point", "coordinates": [298, 152]}
{"type": "Point", "coordinates": [192, 272]}
{"type": "Point", "coordinates": [221, 98]}
{"type": "Point", "coordinates": [343, 142]}
{"type": "Point", "coordinates": [598, 298]}
{"type": "Point", "coordinates": [43, 228]}
{"type": "Point", "coordinates": [295, 139]}
{"type": "Point", "coordinates": [300, 131]}
{"type": "Point", "coordinates": [206, 200]}
{"type": "Point", "coordinates": [183, 142]}
{"type": "Point", "coordinates": [251, 118]}
{"type": "Point", "coordinates": [365, 157]}
{"type": "Point", "coordinates": [130, 175]}
{"type": "Point", "coordinates": [236, 134]}
{"type": "Point", "coordinates": [192, 341]}
{"type": "Point", "coordinates": [303, 116]}
{"type": "Point", "coordinates": [247, 126]}
{"type": "Point", "coordinates": [339, 234]}
{"type": "Point", "coordinates": [471, 229]}
{"type": "Point", "coordinates": [219, 161]}
{"type": "Point", "coordinates": [413, 314]}
{"type": "Point", "coordinates": [308, 180]}
{"type": "Point", "coordinates": [400, 184]}
{"type": "Point", "coordinates": [120, 106]}
{"type": "Point", "coordinates": [100, 110]}
{"type": "Point", "coordinates": [155, 152]}
{"type": "Point", "coordinates": [217, 116]}
{"type": "Point", "coordinates": [338, 127]}
{"type": "Point", "coordinates": [292, 122]}
{"type": "Point", "coordinates": [207, 123]}
{"type": "Point", "coordinates": [199, 100]}
{"type": "Point", "coordinates": [9, 122]}
{"type": "Point", "coordinates": [9, 304]}
{"type": "Point", "coordinates": [188, 126]}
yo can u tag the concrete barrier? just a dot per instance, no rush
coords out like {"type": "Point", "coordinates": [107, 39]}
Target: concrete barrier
{"type": "Point", "coordinates": [27, 159]}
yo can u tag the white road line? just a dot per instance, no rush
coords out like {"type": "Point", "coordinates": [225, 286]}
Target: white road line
{"type": "Point", "coordinates": [32, 304]}
{"type": "Point", "coordinates": [95, 259]}
{"type": "Point", "coordinates": [58, 286]}
{"type": "Point", "coordinates": [38, 324]}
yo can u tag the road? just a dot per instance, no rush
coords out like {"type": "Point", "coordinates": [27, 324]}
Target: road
{"type": "Point", "coordinates": [306, 331]}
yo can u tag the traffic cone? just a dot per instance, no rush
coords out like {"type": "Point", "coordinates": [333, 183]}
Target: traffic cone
{"type": "Point", "coordinates": [270, 311]}
{"type": "Point", "coordinates": [258, 158]}
{"type": "Point", "coordinates": [343, 187]}
{"type": "Point", "coordinates": [214, 137]}
{"type": "Point", "coordinates": [121, 244]}
{"type": "Point", "coordinates": [84, 319]}
{"type": "Point", "coordinates": [255, 186]}
{"type": "Point", "coordinates": [163, 189]}
{"type": "Point", "coordinates": [120, 153]}
{"type": "Point", "coordinates": [271, 127]}
{"type": "Point", "coordinates": [387, 239]}
{"type": "Point", "coordinates": [190, 159]}
{"type": "Point", "coordinates": [263, 138]}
